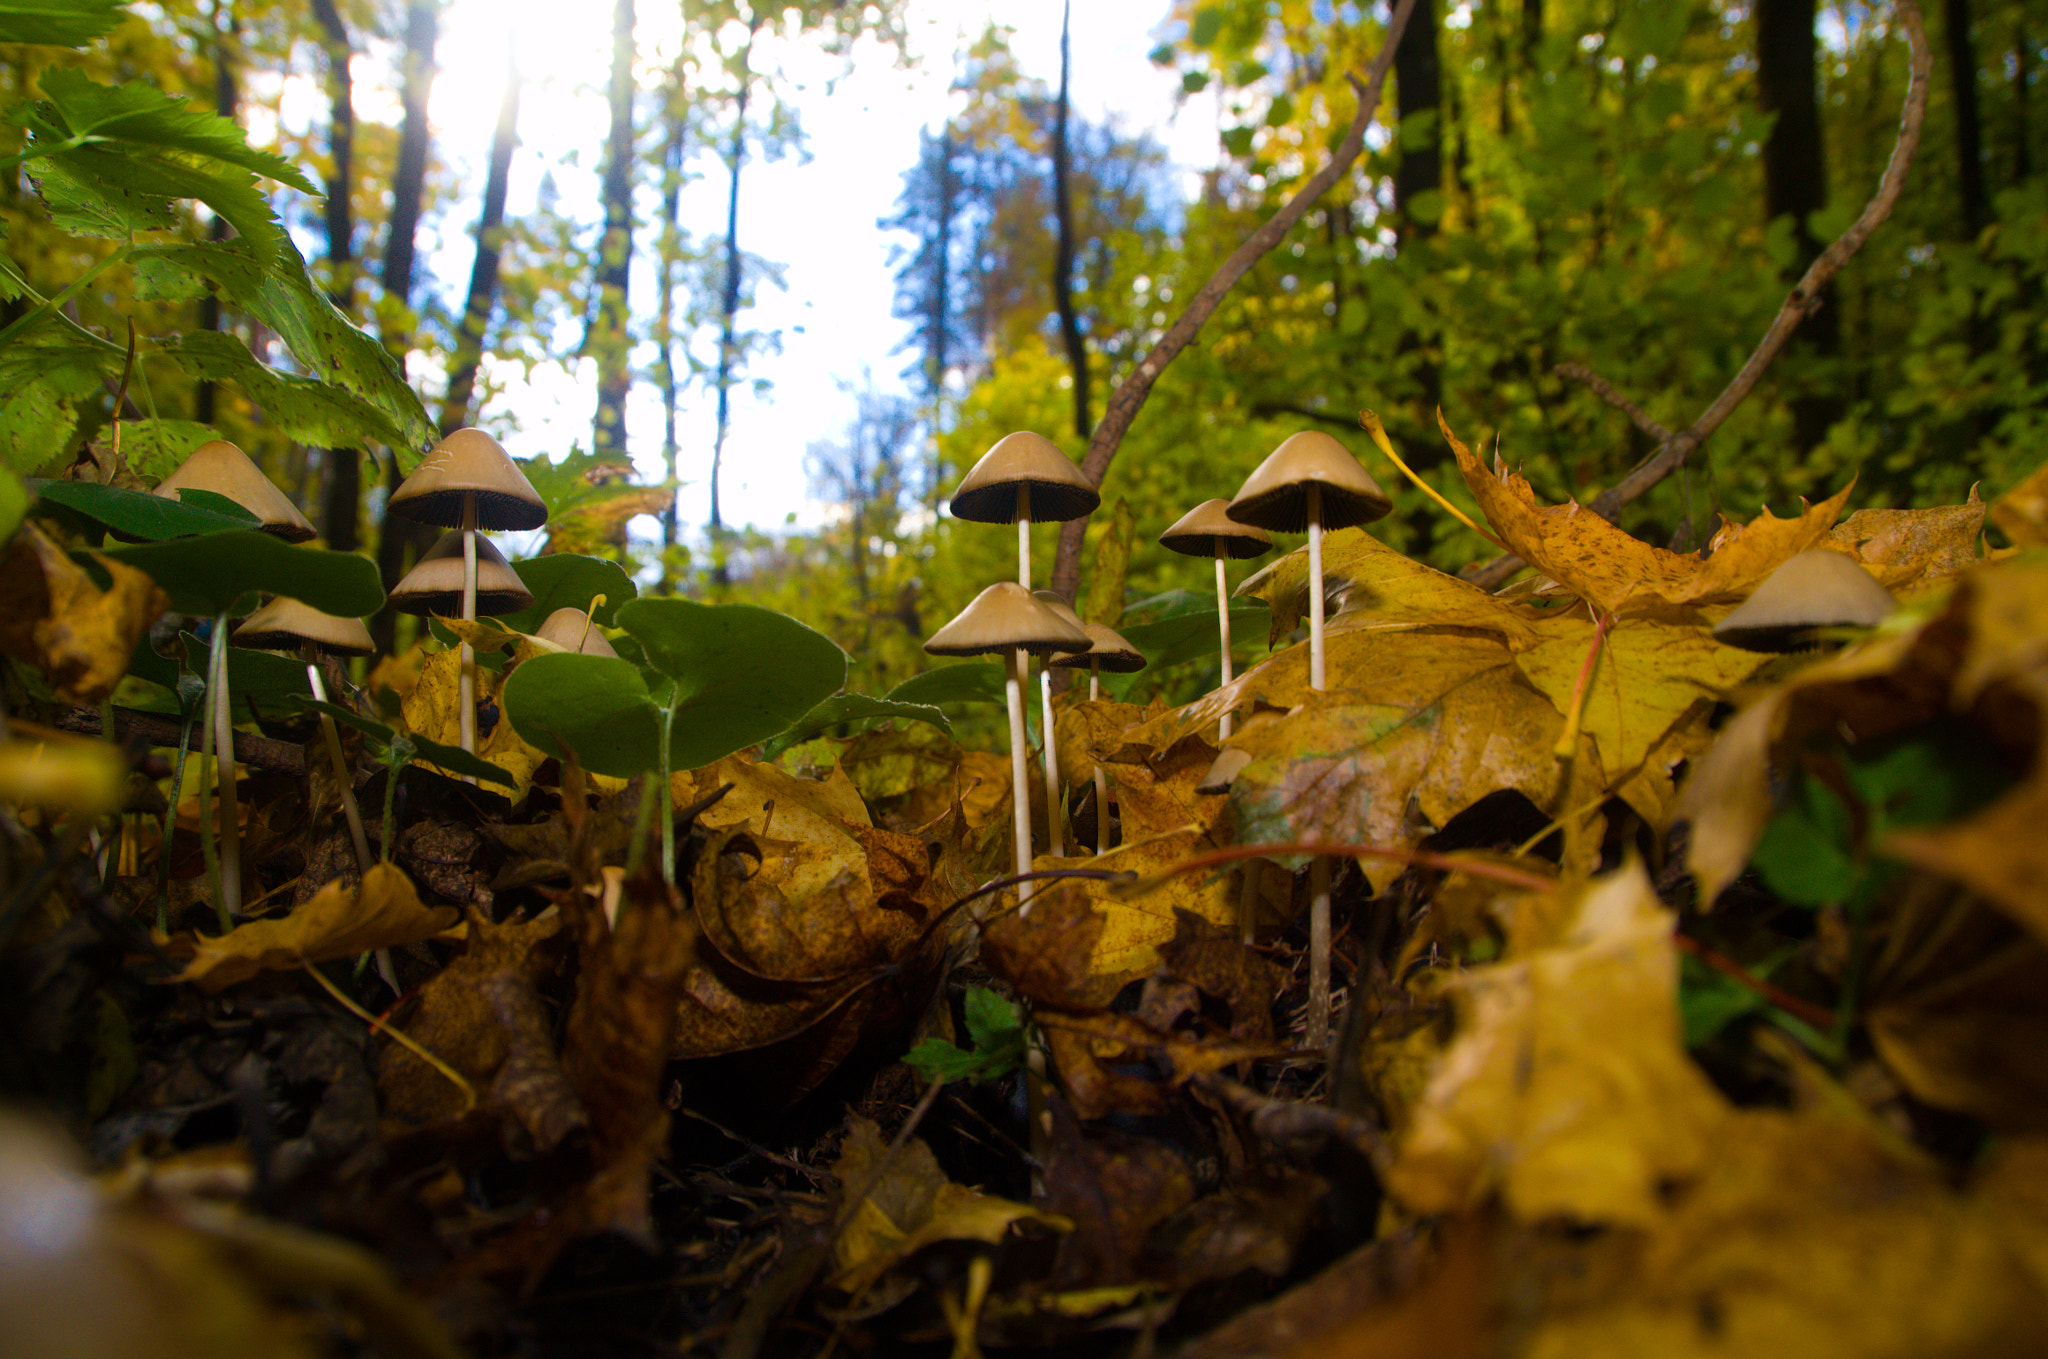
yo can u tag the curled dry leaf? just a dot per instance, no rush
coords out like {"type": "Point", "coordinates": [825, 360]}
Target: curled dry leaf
{"type": "Point", "coordinates": [54, 618]}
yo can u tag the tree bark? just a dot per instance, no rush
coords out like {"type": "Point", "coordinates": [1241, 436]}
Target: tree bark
{"type": "Point", "coordinates": [483, 272]}
{"type": "Point", "coordinates": [1795, 180]}
{"type": "Point", "coordinates": [607, 340]}
{"type": "Point", "coordinates": [1962, 68]}
{"type": "Point", "coordinates": [672, 147]}
{"type": "Point", "coordinates": [1063, 254]}
{"type": "Point", "coordinates": [341, 470]}
{"type": "Point", "coordinates": [226, 103]}
{"type": "Point", "coordinates": [1418, 89]}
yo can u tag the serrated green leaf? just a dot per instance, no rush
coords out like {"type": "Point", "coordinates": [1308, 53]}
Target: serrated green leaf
{"type": "Point", "coordinates": [35, 423]}
{"type": "Point", "coordinates": [13, 504]}
{"type": "Point", "coordinates": [937, 1060]}
{"type": "Point", "coordinates": [60, 23]}
{"type": "Point", "coordinates": [136, 113]}
{"type": "Point", "coordinates": [308, 410]}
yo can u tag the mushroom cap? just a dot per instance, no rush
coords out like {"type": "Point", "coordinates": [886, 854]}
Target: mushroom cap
{"type": "Point", "coordinates": [1207, 530]}
{"type": "Point", "coordinates": [469, 461]}
{"type": "Point", "coordinates": [572, 630]}
{"type": "Point", "coordinates": [1276, 495]}
{"type": "Point", "coordinates": [988, 493]}
{"type": "Point", "coordinates": [1813, 589]}
{"type": "Point", "coordinates": [1057, 602]}
{"type": "Point", "coordinates": [1109, 653]}
{"type": "Point", "coordinates": [434, 585]}
{"type": "Point", "coordinates": [220, 467]}
{"type": "Point", "coordinates": [1005, 617]}
{"type": "Point", "coordinates": [286, 625]}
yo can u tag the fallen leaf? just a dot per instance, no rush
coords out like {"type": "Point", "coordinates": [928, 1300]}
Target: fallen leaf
{"type": "Point", "coordinates": [433, 710]}
{"type": "Point", "coordinates": [54, 618]}
{"type": "Point", "coordinates": [385, 912]}
{"type": "Point", "coordinates": [2022, 512]}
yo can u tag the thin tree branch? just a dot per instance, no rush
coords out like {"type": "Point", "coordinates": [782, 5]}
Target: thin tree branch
{"type": "Point", "coordinates": [1129, 396]}
{"type": "Point", "coordinates": [257, 752]}
{"type": "Point", "coordinates": [1602, 388]}
{"type": "Point", "coordinates": [1804, 300]}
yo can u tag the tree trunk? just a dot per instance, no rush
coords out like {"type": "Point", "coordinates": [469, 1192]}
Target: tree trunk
{"type": "Point", "coordinates": [608, 341]}
{"type": "Point", "coordinates": [341, 471]}
{"type": "Point", "coordinates": [1962, 67]}
{"type": "Point", "coordinates": [483, 273]}
{"type": "Point", "coordinates": [1063, 255]}
{"type": "Point", "coordinates": [729, 304]}
{"type": "Point", "coordinates": [2022, 74]}
{"type": "Point", "coordinates": [674, 115]}
{"type": "Point", "coordinates": [1418, 89]}
{"type": "Point", "coordinates": [408, 189]}
{"type": "Point", "coordinates": [226, 102]}
{"type": "Point", "coordinates": [1796, 182]}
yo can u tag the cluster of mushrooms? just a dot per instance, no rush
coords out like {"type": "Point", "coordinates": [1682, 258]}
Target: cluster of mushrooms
{"type": "Point", "coordinates": [467, 484]}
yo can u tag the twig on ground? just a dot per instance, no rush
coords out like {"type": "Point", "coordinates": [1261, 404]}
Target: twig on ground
{"type": "Point", "coordinates": [258, 752]}
{"type": "Point", "coordinates": [1805, 298]}
{"type": "Point", "coordinates": [1129, 396]}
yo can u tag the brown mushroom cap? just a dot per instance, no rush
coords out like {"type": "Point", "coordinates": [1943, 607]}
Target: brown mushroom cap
{"type": "Point", "coordinates": [1109, 653]}
{"type": "Point", "coordinates": [434, 585]}
{"type": "Point", "coordinates": [470, 461]}
{"type": "Point", "coordinates": [988, 493]}
{"type": "Point", "coordinates": [1207, 530]}
{"type": "Point", "coordinates": [1057, 602]}
{"type": "Point", "coordinates": [286, 625]}
{"type": "Point", "coordinates": [1005, 617]}
{"type": "Point", "coordinates": [1276, 495]}
{"type": "Point", "coordinates": [220, 467]}
{"type": "Point", "coordinates": [572, 630]}
{"type": "Point", "coordinates": [1812, 590]}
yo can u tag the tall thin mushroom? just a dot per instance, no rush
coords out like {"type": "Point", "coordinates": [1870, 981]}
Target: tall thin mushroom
{"type": "Point", "coordinates": [1005, 620]}
{"type": "Point", "coordinates": [223, 469]}
{"type": "Point", "coordinates": [1050, 748]}
{"type": "Point", "coordinates": [1207, 530]}
{"type": "Point", "coordinates": [1107, 650]}
{"type": "Point", "coordinates": [1312, 482]}
{"type": "Point", "coordinates": [469, 483]}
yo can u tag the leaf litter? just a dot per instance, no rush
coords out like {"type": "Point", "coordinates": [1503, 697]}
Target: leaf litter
{"type": "Point", "coordinates": [1696, 999]}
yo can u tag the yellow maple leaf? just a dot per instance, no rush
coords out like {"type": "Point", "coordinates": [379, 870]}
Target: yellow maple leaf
{"type": "Point", "coordinates": [384, 912]}
{"type": "Point", "coordinates": [53, 617]}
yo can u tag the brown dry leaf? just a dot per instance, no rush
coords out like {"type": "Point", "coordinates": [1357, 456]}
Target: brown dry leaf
{"type": "Point", "coordinates": [1913, 549]}
{"type": "Point", "coordinates": [1621, 574]}
{"type": "Point", "coordinates": [385, 912]}
{"type": "Point", "coordinates": [803, 828]}
{"type": "Point", "coordinates": [1567, 1090]}
{"type": "Point", "coordinates": [2022, 512]}
{"type": "Point", "coordinates": [1094, 1051]}
{"type": "Point", "coordinates": [906, 1204]}
{"type": "Point", "coordinates": [1979, 1049]}
{"type": "Point", "coordinates": [1381, 590]}
{"type": "Point", "coordinates": [433, 710]}
{"type": "Point", "coordinates": [1114, 1188]}
{"type": "Point", "coordinates": [54, 618]}
{"type": "Point", "coordinates": [1047, 953]}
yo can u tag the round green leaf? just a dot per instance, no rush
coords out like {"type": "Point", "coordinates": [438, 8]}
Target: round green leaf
{"type": "Point", "coordinates": [742, 674]}
{"type": "Point", "coordinates": [594, 707]}
{"type": "Point", "coordinates": [563, 580]}
{"type": "Point", "coordinates": [207, 574]}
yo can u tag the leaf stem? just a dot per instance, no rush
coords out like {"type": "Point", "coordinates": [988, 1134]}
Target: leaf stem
{"type": "Point", "coordinates": [1370, 420]}
{"type": "Point", "coordinates": [55, 304]}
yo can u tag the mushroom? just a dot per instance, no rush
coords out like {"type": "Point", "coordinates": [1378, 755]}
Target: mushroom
{"type": "Point", "coordinates": [1023, 479]}
{"type": "Point", "coordinates": [570, 629]}
{"type": "Point", "coordinates": [468, 482]}
{"type": "Point", "coordinates": [287, 625]}
{"type": "Point", "coordinates": [1005, 620]}
{"type": "Point", "coordinates": [1052, 600]}
{"type": "Point", "coordinates": [220, 467]}
{"type": "Point", "coordinates": [448, 574]}
{"type": "Point", "coordinates": [1810, 591]}
{"type": "Point", "coordinates": [1311, 481]}
{"type": "Point", "coordinates": [1107, 650]}
{"type": "Point", "coordinates": [1207, 530]}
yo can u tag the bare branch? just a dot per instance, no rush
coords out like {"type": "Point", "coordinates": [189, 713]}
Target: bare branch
{"type": "Point", "coordinates": [1602, 388]}
{"type": "Point", "coordinates": [1129, 396]}
{"type": "Point", "coordinates": [1804, 300]}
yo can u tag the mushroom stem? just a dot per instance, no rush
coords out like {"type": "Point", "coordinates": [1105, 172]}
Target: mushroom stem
{"type": "Point", "coordinates": [1318, 1036]}
{"type": "Point", "coordinates": [1101, 811]}
{"type": "Point", "coordinates": [1315, 588]}
{"type": "Point", "coordinates": [467, 658]}
{"type": "Point", "coordinates": [1020, 820]}
{"type": "Point", "coordinates": [332, 737]}
{"type": "Point", "coordinates": [1024, 535]}
{"type": "Point", "coordinates": [1223, 627]}
{"type": "Point", "coordinates": [230, 903]}
{"type": "Point", "coordinates": [1248, 902]}
{"type": "Point", "coordinates": [1056, 842]}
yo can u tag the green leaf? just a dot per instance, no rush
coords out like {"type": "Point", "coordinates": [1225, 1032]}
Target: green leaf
{"type": "Point", "coordinates": [154, 448]}
{"type": "Point", "coordinates": [141, 514]}
{"type": "Point", "coordinates": [997, 1027]}
{"type": "Point", "coordinates": [1709, 1001]}
{"type": "Point", "coordinates": [563, 580]}
{"type": "Point", "coordinates": [35, 424]}
{"type": "Point", "coordinates": [1207, 25]}
{"type": "Point", "coordinates": [1807, 855]}
{"type": "Point", "coordinates": [1105, 601]}
{"type": "Point", "coordinates": [937, 1060]}
{"type": "Point", "coordinates": [13, 504]}
{"type": "Point", "coordinates": [368, 726]}
{"type": "Point", "coordinates": [257, 673]}
{"type": "Point", "coordinates": [306, 409]}
{"type": "Point", "coordinates": [209, 573]}
{"type": "Point", "coordinates": [61, 23]}
{"type": "Point", "coordinates": [456, 760]}
{"type": "Point", "coordinates": [1193, 636]}
{"type": "Point", "coordinates": [971, 682]}
{"type": "Point", "coordinates": [860, 708]}
{"type": "Point", "coordinates": [742, 674]}
{"type": "Point", "coordinates": [595, 708]}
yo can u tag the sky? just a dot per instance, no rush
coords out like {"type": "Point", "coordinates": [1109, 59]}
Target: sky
{"type": "Point", "coordinates": [815, 215]}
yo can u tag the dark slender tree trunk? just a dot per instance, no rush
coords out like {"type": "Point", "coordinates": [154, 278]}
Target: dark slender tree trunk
{"type": "Point", "coordinates": [1962, 67]}
{"type": "Point", "coordinates": [226, 103]}
{"type": "Point", "coordinates": [729, 305]}
{"type": "Point", "coordinates": [1063, 254]}
{"type": "Point", "coordinates": [1795, 181]}
{"type": "Point", "coordinates": [674, 116]}
{"type": "Point", "coordinates": [2022, 75]}
{"type": "Point", "coordinates": [1418, 89]}
{"type": "Point", "coordinates": [341, 469]}
{"type": "Point", "coordinates": [608, 341]}
{"type": "Point", "coordinates": [408, 190]}
{"type": "Point", "coordinates": [483, 272]}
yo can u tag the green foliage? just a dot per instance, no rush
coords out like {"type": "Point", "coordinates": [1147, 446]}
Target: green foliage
{"type": "Point", "coordinates": [212, 573]}
{"type": "Point", "coordinates": [141, 514]}
{"type": "Point", "coordinates": [67, 25]}
{"type": "Point", "coordinates": [1000, 1040]}
{"type": "Point", "coordinates": [396, 748]}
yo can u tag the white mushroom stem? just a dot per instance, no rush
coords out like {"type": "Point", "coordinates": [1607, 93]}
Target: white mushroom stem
{"type": "Point", "coordinates": [1223, 627]}
{"type": "Point", "coordinates": [467, 658]}
{"type": "Point", "coordinates": [1318, 1036]}
{"type": "Point", "coordinates": [333, 739]}
{"type": "Point", "coordinates": [224, 774]}
{"type": "Point", "coordinates": [1020, 820]}
{"type": "Point", "coordinates": [1315, 588]}
{"type": "Point", "coordinates": [1101, 780]}
{"type": "Point", "coordinates": [1056, 841]}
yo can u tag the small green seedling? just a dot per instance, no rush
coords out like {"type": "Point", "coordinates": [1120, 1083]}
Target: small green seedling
{"type": "Point", "coordinates": [1001, 1040]}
